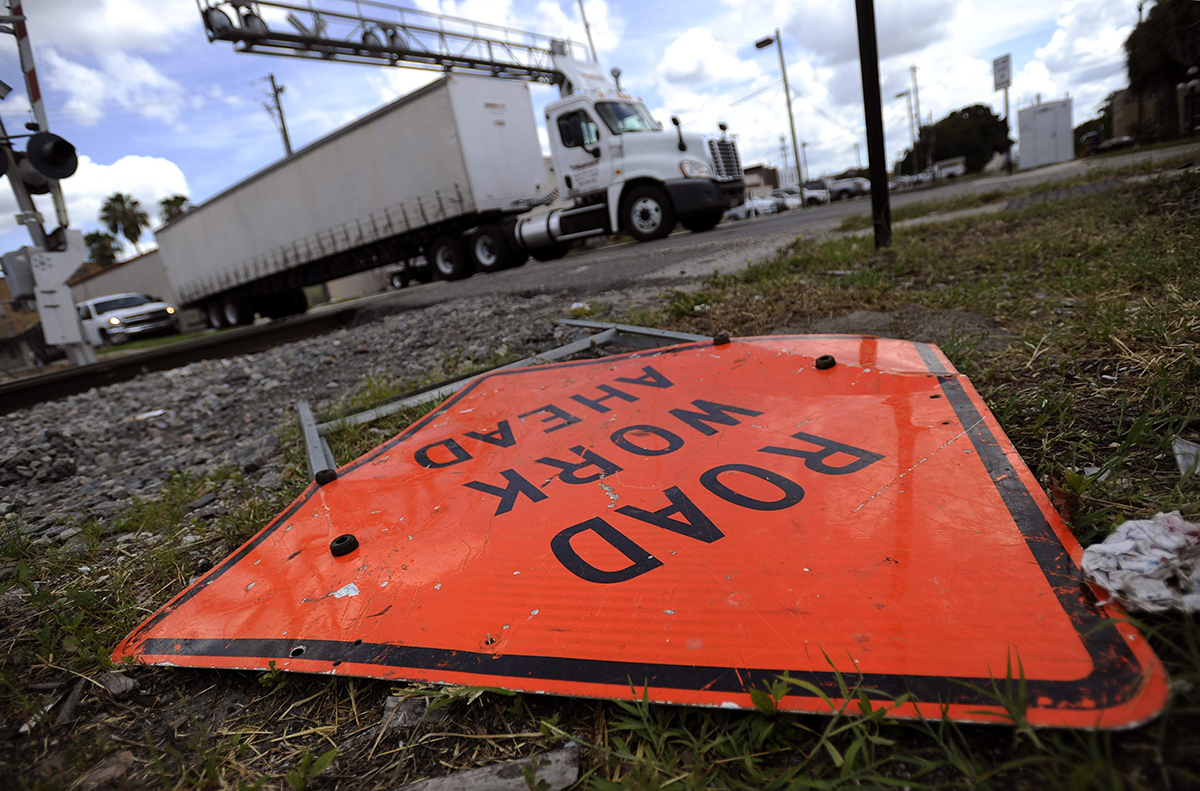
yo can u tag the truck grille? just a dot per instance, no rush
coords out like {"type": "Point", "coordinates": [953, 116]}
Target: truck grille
{"type": "Point", "coordinates": [726, 163]}
{"type": "Point", "coordinates": [147, 318]}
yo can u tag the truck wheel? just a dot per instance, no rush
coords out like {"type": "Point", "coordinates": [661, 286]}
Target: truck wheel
{"type": "Point", "coordinates": [517, 258]}
{"type": "Point", "coordinates": [551, 253]}
{"type": "Point", "coordinates": [236, 312]}
{"type": "Point", "coordinates": [648, 213]}
{"type": "Point", "coordinates": [448, 258]}
{"type": "Point", "coordinates": [297, 302]}
{"type": "Point", "coordinates": [214, 314]}
{"type": "Point", "coordinates": [702, 222]}
{"type": "Point", "coordinates": [489, 249]}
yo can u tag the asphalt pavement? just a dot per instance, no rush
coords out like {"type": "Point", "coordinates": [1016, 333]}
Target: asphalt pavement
{"type": "Point", "coordinates": [685, 257]}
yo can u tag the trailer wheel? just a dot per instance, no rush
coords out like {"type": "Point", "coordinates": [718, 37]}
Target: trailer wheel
{"type": "Point", "coordinates": [490, 249]}
{"type": "Point", "coordinates": [551, 253]}
{"type": "Point", "coordinates": [236, 312]}
{"type": "Point", "coordinates": [647, 213]}
{"type": "Point", "coordinates": [517, 258]}
{"type": "Point", "coordinates": [448, 258]}
{"type": "Point", "coordinates": [216, 318]}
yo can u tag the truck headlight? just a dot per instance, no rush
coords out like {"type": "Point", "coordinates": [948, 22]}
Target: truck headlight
{"type": "Point", "coordinates": [170, 309]}
{"type": "Point", "coordinates": [692, 169]}
{"type": "Point", "coordinates": [114, 321]}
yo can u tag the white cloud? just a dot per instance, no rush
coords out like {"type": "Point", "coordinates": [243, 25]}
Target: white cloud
{"type": "Point", "coordinates": [121, 79]}
{"type": "Point", "coordinates": [696, 58]}
{"type": "Point", "coordinates": [149, 179]}
{"type": "Point", "coordinates": [111, 25]}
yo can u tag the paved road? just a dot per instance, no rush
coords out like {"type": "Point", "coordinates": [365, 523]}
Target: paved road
{"type": "Point", "coordinates": [685, 257]}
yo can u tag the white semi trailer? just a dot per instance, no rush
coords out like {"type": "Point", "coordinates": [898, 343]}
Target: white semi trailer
{"type": "Point", "coordinates": [446, 174]}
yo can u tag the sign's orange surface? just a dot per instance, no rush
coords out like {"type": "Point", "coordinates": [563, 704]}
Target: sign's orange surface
{"type": "Point", "coordinates": [696, 520]}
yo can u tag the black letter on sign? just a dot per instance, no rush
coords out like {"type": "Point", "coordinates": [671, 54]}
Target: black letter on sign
{"type": "Point", "coordinates": [598, 403]}
{"type": "Point", "coordinates": [792, 493]}
{"type": "Point", "coordinates": [570, 469]}
{"type": "Point", "coordinates": [693, 525]}
{"type": "Point", "coordinates": [565, 417]}
{"type": "Point", "coordinates": [640, 560]}
{"type": "Point", "coordinates": [460, 455]}
{"type": "Point", "coordinates": [502, 436]}
{"type": "Point", "coordinates": [673, 440]}
{"type": "Point", "coordinates": [713, 413]}
{"type": "Point", "coordinates": [650, 378]}
{"type": "Point", "coordinates": [815, 459]}
{"type": "Point", "coordinates": [508, 495]}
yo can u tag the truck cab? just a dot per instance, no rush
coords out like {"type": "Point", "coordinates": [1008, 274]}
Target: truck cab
{"type": "Point", "coordinates": [624, 171]}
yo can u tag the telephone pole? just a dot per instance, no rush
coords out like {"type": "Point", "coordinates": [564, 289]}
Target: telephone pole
{"type": "Point", "coordinates": [275, 110]}
{"type": "Point", "coordinates": [917, 102]}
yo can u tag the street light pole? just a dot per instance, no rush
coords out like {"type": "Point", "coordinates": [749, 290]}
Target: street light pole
{"type": "Point", "coordinates": [868, 59]}
{"type": "Point", "coordinates": [907, 94]}
{"type": "Point", "coordinates": [787, 92]}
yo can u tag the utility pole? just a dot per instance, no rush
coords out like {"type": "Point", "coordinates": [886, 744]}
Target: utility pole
{"type": "Point", "coordinates": [275, 110]}
{"type": "Point", "coordinates": [783, 150]}
{"type": "Point", "coordinates": [917, 104]}
{"type": "Point", "coordinates": [588, 29]}
{"type": "Point", "coordinates": [868, 59]}
{"type": "Point", "coordinates": [804, 155]}
{"type": "Point", "coordinates": [857, 156]}
{"type": "Point", "coordinates": [787, 92]}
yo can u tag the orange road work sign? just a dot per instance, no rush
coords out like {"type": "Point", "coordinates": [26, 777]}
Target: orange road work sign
{"type": "Point", "coordinates": [696, 521]}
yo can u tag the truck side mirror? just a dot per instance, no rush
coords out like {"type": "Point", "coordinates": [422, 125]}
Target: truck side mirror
{"type": "Point", "coordinates": [679, 131]}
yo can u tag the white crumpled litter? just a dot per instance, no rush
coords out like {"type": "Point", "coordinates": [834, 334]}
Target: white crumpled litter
{"type": "Point", "coordinates": [1149, 564]}
{"type": "Point", "coordinates": [1187, 456]}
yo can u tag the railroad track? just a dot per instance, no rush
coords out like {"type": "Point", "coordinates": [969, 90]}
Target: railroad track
{"type": "Point", "coordinates": [23, 393]}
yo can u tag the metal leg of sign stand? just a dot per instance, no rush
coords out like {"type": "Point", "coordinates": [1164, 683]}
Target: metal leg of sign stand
{"type": "Point", "coordinates": [320, 460]}
{"type": "Point", "coordinates": [321, 465]}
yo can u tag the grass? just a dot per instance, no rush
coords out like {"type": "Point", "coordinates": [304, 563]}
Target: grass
{"type": "Point", "coordinates": [909, 211]}
{"type": "Point", "coordinates": [1099, 301]}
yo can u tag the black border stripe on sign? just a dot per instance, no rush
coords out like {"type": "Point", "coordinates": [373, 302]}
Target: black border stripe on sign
{"type": "Point", "coordinates": [1116, 673]}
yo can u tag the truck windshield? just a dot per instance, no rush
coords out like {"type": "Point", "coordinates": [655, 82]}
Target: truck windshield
{"type": "Point", "coordinates": [622, 117]}
{"type": "Point", "coordinates": [131, 301]}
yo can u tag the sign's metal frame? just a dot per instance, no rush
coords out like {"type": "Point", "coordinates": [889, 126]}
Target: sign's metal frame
{"type": "Point", "coordinates": [321, 465]}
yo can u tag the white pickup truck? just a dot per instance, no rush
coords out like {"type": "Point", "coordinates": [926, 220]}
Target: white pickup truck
{"type": "Point", "coordinates": [841, 189]}
{"type": "Point", "coordinates": [122, 317]}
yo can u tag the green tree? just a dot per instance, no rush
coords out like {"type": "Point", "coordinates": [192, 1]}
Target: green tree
{"type": "Point", "coordinates": [173, 207]}
{"type": "Point", "coordinates": [1160, 50]}
{"type": "Point", "coordinates": [123, 214]}
{"type": "Point", "coordinates": [103, 248]}
{"type": "Point", "coordinates": [973, 132]}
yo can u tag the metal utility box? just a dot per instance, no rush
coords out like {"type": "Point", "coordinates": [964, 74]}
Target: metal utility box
{"type": "Point", "coordinates": [1046, 133]}
{"type": "Point", "coordinates": [458, 148]}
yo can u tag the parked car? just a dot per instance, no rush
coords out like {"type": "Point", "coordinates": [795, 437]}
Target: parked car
{"type": "Point", "coordinates": [1114, 144]}
{"type": "Point", "coordinates": [843, 189]}
{"type": "Point", "coordinates": [788, 198]}
{"type": "Point", "coordinates": [900, 182]}
{"type": "Point", "coordinates": [753, 207]}
{"type": "Point", "coordinates": [121, 317]}
{"type": "Point", "coordinates": [815, 193]}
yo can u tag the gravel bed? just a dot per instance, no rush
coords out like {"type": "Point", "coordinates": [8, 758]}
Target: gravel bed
{"type": "Point", "coordinates": [85, 456]}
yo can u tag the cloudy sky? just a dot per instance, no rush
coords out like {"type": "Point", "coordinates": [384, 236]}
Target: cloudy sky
{"type": "Point", "coordinates": [154, 109]}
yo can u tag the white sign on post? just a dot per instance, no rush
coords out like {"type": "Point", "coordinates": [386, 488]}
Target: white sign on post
{"type": "Point", "coordinates": [1002, 71]}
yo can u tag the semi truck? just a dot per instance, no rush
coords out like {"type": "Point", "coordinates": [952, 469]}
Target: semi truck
{"type": "Point", "coordinates": [452, 174]}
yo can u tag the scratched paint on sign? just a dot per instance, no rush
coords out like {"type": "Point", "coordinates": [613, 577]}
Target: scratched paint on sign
{"type": "Point", "coordinates": [697, 521]}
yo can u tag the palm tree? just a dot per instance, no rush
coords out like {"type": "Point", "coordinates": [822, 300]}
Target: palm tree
{"type": "Point", "coordinates": [173, 207]}
{"type": "Point", "coordinates": [102, 248]}
{"type": "Point", "coordinates": [123, 214]}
